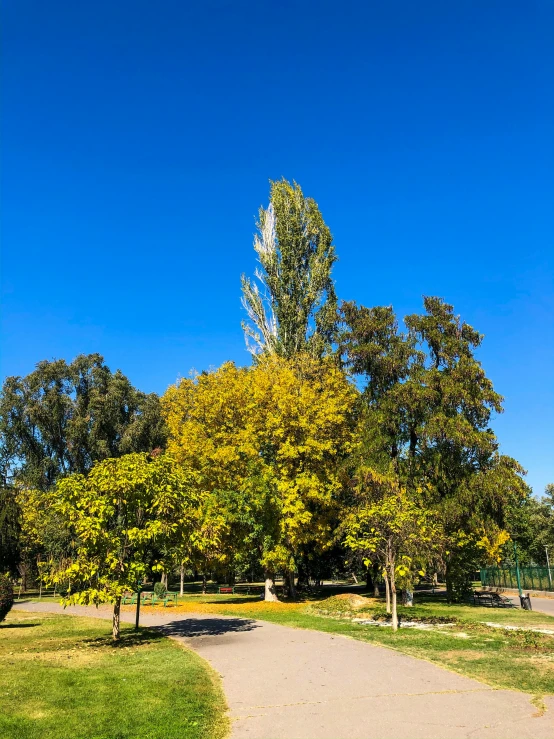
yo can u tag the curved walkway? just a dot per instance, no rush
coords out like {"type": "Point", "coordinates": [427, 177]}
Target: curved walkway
{"type": "Point", "coordinates": [284, 683]}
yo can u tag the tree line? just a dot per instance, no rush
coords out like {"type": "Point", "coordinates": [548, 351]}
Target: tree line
{"type": "Point", "coordinates": [354, 442]}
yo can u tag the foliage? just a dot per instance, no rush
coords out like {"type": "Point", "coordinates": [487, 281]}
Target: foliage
{"type": "Point", "coordinates": [10, 528]}
{"type": "Point", "coordinates": [531, 523]}
{"type": "Point", "coordinates": [6, 595]}
{"type": "Point", "coordinates": [250, 435]}
{"type": "Point", "coordinates": [159, 589]}
{"type": "Point", "coordinates": [425, 413]}
{"type": "Point", "coordinates": [292, 306]}
{"type": "Point", "coordinates": [395, 528]}
{"type": "Point", "coordinates": [62, 418]}
{"type": "Point", "coordinates": [115, 514]}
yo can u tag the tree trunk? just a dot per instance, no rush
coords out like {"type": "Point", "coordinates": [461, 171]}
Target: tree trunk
{"type": "Point", "coordinates": [387, 589]}
{"type": "Point", "coordinates": [369, 583]}
{"type": "Point", "coordinates": [292, 587]}
{"type": "Point", "coordinates": [407, 597]}
{"type": "Point", "coordinates": [449, 588]}
{"type": "Point", "coordinates": [375, 575]}
{"type": "Point", "coordinates": [203, 584]}
{"type": "Point", "coordinates": [115, 622]}
{"type": "Point", "coordinates": [393, 594]}
{"type": "Point", "coordinates": [182, 583]}
{"type": "Point", "coordinates": [270, 592]}
{"type": "Point", "coordinates": [303, 580]}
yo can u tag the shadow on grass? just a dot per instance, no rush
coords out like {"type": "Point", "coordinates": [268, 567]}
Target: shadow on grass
{"type": "Point", "coordinates": [127, 638]}
{"type": "Point", "coordinates": [197, 627]}
{"type": "Point", "coordinates": [18, 626]}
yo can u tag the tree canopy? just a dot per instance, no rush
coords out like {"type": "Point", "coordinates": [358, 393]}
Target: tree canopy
{"type": "Point", "coordinates": [354, 440]}
{"type": "Point", "coordinates": [62, 418]}
{"type": "Point", "coordinates": [291, 303]}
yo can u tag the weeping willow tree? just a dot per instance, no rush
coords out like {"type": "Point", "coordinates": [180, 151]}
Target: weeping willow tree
{"type": "Point", "coordinates": [291, 302]}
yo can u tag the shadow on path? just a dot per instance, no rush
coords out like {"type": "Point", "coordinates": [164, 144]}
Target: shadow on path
{"type": "Point", "coordinates": [192, 627]}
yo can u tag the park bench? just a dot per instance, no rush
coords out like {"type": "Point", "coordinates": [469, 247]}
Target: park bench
{"type": "Point", "coordinates": [226, 590]}
{"type": "Point", "coordinates": [165, 598]}
{"type": "Point", "coordinates": [491, 600]}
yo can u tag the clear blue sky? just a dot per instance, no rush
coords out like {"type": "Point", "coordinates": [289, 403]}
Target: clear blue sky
{"type": "Point", "coordinates": [139, 137]}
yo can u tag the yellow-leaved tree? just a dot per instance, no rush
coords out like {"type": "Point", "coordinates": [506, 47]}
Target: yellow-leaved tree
{"type": "Point", "coordinates": [274, 434]}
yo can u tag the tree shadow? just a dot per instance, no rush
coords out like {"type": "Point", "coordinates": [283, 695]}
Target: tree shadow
{"type": "Point", "coordinates": [18, 626]}
{"type": "Point", "coordinates": [127, 638]}
{"type": "Point", "coordinates": [198, 627]}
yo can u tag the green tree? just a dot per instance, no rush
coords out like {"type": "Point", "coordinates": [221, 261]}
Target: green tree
{"type": "Point", "coordinates": [62, 418]}
{"type": "Point", "coordinates": [531, 525]}
{"type": "Point", "coordinates": [291, 303]}
{"type": "Point", "coordinates": [391, 527]}
{"type": "Point", "coordinates": [425, 414]}
{"type": "Point", "coordinates": [116, 513]}
{"type": "Point", "coordinates": [10, 529]}
{"type": "Point", "coordinates": [269, 441]}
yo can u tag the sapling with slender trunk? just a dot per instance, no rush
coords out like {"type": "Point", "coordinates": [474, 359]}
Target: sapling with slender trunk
{"type": "Point", "coordinates": [116, 513]}
{"type": "Point", "coordinates": [392, 527]}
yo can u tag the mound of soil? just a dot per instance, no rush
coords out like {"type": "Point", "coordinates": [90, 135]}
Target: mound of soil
{"type": "Point", "coordinates": [343, 603]}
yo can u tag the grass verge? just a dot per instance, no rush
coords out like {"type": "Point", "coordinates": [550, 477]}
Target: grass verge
{"type": "Point", "coordinates": [61, 676]}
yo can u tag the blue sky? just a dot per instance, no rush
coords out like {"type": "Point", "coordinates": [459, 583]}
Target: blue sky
{"type": "Point", "coordinates": [139, 138]}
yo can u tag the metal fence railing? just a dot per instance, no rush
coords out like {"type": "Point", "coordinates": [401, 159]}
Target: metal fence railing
{"type": "Point", "coordinates": [531, 578]}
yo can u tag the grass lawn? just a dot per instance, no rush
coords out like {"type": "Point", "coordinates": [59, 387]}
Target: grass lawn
{"type": "Point", "coordinates": [61, 676]}
{"type": "Point", "coordinates": [518, 660]}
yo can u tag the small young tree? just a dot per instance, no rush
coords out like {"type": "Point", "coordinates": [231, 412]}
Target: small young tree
{"type": "Point", "coordinates": [116, 513]}
{"type": "Point", "coordinates": [390, 527]}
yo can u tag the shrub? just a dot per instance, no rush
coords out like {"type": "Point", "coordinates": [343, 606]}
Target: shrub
{"type": "Point", "coordinates": [159, 590]}
{"type": "Point", "coordinates": [6, 596]}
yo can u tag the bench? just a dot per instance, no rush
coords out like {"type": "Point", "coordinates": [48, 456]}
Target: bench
{"type": "Point", "coordinates": [226, 590]}
{"type": "Point", "coordinates": [491, 600]}
{"type": "Point", "coordinates": [168, 596]}
{"type": "Point", "coordinates": [131, 598]}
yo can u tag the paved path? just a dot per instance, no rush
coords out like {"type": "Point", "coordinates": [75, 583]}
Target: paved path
{"type": "Point", "coordinates": [284, 683]}
{"type": "Point", "coordinates": [542, 605]}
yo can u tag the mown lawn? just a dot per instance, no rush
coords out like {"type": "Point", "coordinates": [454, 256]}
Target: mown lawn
{"type": "Point", "coordinates": [61, 676]}
{"type": "Point", "coordinates": [518, 660]}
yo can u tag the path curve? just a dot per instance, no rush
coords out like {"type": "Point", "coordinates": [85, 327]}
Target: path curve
{"type": "Point", "coordinates": [285, 683]}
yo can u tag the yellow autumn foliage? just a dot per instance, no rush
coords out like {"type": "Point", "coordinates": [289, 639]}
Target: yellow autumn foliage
{"type": "Point", "coordinates": [288, 423]}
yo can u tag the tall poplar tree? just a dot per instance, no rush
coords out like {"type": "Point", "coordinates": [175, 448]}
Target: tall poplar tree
{"type": "Point", "coordinates": [291, 302]}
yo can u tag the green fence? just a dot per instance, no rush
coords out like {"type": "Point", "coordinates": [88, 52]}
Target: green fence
{"type": "Point", "coordinates": [531, 578]}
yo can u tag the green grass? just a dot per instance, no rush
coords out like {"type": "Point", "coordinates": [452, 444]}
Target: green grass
{"type": "Point", "coordinates": [61, 676]}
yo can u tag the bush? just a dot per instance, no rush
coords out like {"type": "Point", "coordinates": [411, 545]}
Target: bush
{"type": "Point", "coordinates": [159, 590]}
{"type": "Point", "coordinates": [6, 596]}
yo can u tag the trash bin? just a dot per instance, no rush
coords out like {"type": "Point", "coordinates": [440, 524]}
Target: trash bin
{"type": "Point", "coordinates": [525, 601]}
